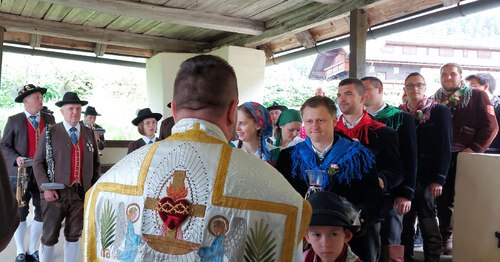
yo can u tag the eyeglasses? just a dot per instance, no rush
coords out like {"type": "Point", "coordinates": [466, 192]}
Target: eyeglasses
{"type": "Point", "coordinates": [415, 86]}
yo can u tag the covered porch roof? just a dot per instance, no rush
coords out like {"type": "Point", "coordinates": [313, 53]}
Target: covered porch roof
{"type": "Point", "coordinates": [142, 28]}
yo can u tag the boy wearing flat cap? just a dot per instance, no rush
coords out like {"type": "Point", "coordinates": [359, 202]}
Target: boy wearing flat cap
{"type": "Point", "coordinates": [331, 228]}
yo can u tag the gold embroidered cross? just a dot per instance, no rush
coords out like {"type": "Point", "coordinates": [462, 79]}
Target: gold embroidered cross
{"type": "Point", "coordinates": [173, 210]}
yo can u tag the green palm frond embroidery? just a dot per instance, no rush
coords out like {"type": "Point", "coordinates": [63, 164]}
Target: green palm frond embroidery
{"type": "Point", "coordinates": [260, 245]}
{"type": "Point", "coordinates": [108, 225]}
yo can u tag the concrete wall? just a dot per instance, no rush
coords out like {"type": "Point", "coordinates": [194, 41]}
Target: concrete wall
{"type": "Point", "coordinates": [477, 208]}
{"type": "Point", "coordinates": [161, 69]}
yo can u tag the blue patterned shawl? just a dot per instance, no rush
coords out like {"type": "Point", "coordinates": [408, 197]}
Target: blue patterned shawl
{"type": "Point", "coordinates": [352, 158]}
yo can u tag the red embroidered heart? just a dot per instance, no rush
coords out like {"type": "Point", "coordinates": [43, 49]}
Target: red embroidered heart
{"type": "Point", "coordinates": [173, 213]}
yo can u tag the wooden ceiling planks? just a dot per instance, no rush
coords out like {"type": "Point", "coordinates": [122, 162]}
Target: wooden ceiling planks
{"type": "Point", "coordinates": [100, 20]}
{"type": "Point", "coordinates": [18, 7]}
{"type": "Point", "coordinates": [122, 23]}
{"type": "Point", "coordinates": [279, 9]}
{"type": "Point", "coordinates": [207, 6]}
{"type": "Point", "coordinates": [231, 8]}
{"type": "Point", "coordinates": [155, 2]}
{"type": "Point", "coordinates": [392, 10]}
{"type": "Point", "coordinates": [283, 19]}
{"type": "Point", "coordinates": [6, 6]}
{"type": "Point", "coordinates": [142, 26]}
{"type": "Point", "coordinates": [180, 3]}
{"type": "Point", "coordinates": [40, 9]}
{"type": "Point", "coordinates": [29, 7]}
{"type": "Point", "coordinates": [78, 16]}
{"type": "Point", "coordinates": [56, 13]}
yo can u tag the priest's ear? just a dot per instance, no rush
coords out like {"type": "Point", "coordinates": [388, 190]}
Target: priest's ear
{"type": "Point", "coordinates": [174, 111]}
{"type": "Point", "coordinates": [232, 114]}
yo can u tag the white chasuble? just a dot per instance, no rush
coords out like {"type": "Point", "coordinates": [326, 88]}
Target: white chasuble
{"type": "Point", "coordinates": [192, 197]}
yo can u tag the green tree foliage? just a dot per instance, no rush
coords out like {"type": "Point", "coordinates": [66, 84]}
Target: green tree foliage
{"type": "Point", "coordinates": [288, 83]}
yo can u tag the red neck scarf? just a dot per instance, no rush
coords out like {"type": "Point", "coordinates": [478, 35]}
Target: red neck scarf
{"type": "Point", "coordinates": [360, 131]}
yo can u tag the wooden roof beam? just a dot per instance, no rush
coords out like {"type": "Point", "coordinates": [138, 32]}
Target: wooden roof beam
{"type": "Point", "coordinates": [168, 15]}
{"type": "Point", "coordinates": [35, 40]}
{"type": "Point", "coordinates": [449, 2]}
{"type": "Point", "coordinates": [297, 21]}
{"type": "Point", "coordinates": [100, 49]}
{"type": "Point", "coordinates": [97, 35]}
{"type": "Point", "coordinates": [306, 39]}
{"type": "Point", "coordinates": [329, 1]}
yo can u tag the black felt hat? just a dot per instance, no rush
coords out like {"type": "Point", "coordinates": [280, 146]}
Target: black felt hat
{"type": "Point", "coordinates": [145, 113]}
{"type": "Point", "coordinates": [28, 90]}
{"type": "Point", "coordinates": [70, 98]}
{"type": "Point", "coordinates": [90, 111]}
{"type": "Point", "coordinates": [328, 209]}
{"type": "Point", "coordinates": [276, 106]}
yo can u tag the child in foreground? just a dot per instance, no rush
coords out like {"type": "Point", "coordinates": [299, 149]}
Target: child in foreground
{"type": "Point", "coordinates": [330, 230]}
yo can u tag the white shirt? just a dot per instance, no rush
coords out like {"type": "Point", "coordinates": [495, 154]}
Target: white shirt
{"type": "Point", "coordinates": [147, 139]}
{"type": "Point", "coordinates": [68, 126]}
{"type": "Point", "coordinates": [380, 109]}
{"type": "Point", "coordinates": [322, 154]}
{"type": "Point", "coordinates": [350, 126]}
{"type": "Point", "coordinates": [28, 114]}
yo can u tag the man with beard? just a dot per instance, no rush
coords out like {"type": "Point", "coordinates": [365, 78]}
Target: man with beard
{"type": "Point", "coordinates": [474, 128]}
{"type": "Point", "coordinates": [357, 124]}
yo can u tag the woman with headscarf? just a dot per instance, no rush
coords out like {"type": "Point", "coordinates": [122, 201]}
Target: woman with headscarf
{"type": "Point", "coordinates": [147, 123]}
{"type": "Point", "coordinates": [289, 124]}
{"type": "Point", "coordinates": [253, 128]}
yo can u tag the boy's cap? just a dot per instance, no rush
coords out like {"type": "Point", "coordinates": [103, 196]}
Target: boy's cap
{"type": "Point", "coordinates": [329, 210]}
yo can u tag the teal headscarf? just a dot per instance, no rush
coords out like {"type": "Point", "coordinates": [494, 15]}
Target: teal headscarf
{"type": "Point", "coordinates": [287, 116]}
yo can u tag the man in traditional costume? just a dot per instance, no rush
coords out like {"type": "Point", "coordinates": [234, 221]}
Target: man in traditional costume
{"type": "Point", "coordinates": [19, 143]}
{"type": "Point", "coordinates": [357, 124]}
{"type": "Point", "coordinates": [404, 125]}
{"type": "Point", "coordinates": [195, 197]}
{"type": "Point", "coordinates": [76, 167]}
{"type": "Point", "coordinates": [474, 128]}
{"type": "Point", "coordinates": [89, 118]}
{"type": "Point", "coordinates": [487, 83]}
{"type": "Point", "coordinates": [275, 111]}
{"type": "Point", "coordinates": [433, 128]}
{"type": "Point", "coordinates": [345, 167]}
{"type": "Point", "coordinates": [166, 125]}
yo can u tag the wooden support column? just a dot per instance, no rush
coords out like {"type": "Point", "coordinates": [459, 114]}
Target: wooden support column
{"type": "Point", "coordinates": [357, 43]}
{"type": "Point", "coordinates": [2, 31]}
{"type": "Point", "coordinates": [35, 40]}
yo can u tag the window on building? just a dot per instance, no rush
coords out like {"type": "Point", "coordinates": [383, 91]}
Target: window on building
{"type": "Point", "coordinates": [381, 75]}
{"type": "Point", "coordinates": [466, 53]}
{"type": "Point", "coordinates": [396, 70]}
{"type": "Point", "coordinates": [484, 54]}
{"type": "Point", "coordinates": [388, 49]}
{"type": "Point", "coordinates": [447, 52]}
{"type": "Point", "coordinates": [409, 50]}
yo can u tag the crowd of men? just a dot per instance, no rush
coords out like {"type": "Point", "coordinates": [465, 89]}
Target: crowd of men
{"type": "Point", "coordinates": [192, 196]}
